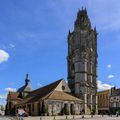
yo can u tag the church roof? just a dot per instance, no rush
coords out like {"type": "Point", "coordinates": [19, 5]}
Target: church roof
{"type": "Point", "coordinates": [43, 92]}
{"type": "Point", "coordinates": [40, 93]}
{"type": "Point", "coordinates": [51, 91]}
{"type": "Point", "coordinates": [59, 95]}
{"type": "Point", "coordinates": [27, 87]}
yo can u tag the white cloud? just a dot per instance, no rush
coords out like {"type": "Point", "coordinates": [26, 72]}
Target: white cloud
{"type": "Point", "coordinates": [12, 46]}
{"type": "Point", "coordinates": [102, 86]}
{"type": "Point", "coordinates": [39, 85]}
{"type": "Point", "coordinates": [109, 66]}
{"type": "Point", "coordinates": [111, 76]}
{"type": "Point", "coordinates": [4, 56]}
{"type": "Point", "coordinates": [3, 96]}
{"type": "Point", "coordinates": [10, 89]}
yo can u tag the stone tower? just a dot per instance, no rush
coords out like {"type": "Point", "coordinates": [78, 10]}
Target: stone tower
{"type": "Point", "coordinates": [82, 61]}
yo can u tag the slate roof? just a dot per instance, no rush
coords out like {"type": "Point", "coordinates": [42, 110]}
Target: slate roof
{"type": "Point", "coordinates": [48, 92]}
{"type": "Point", "coordinates": [42, 93]}
{"type": "Point", "coordinates": [25, 88]}
{"type": "Point", "coordinates": [59, 95]}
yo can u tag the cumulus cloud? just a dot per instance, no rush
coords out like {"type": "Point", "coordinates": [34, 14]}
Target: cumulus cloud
{"type": "Point", "coordinates": [10, 89]}
{"type": "Point", "coordinates": [4, 56]}
{"type": "Point", "coordinates": [103, 86]}
{"type": "Point", "coordinates": [12, 46]}
{"type": "Point", "coordinates": [109, 66]}
{"type": "Point", "coordinates": [3, 96]}
{"type": "Point", "coordinates": [39, 85]}
{"type": "Point", "coordinates": [111, 76]}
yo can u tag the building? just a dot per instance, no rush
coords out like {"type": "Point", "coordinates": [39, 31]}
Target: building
{"type": "Point", "coordinates": [14, 98]}
{"type": "Point", "coordinates": [58, 98]}
{"type": "Point", "coordinates": [115, 101]}
{"type": "Point", "coordinates": [82, 61]}
{"type": "Point", "coordinates": [104, 101]}
{"type": "Point", "coordinates": [53, 99]}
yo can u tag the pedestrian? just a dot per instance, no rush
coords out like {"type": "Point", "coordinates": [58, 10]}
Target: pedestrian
{"type": "Point", "coordinates": [102, 115]}
{"type": "Point", "coordinates": [117, 114]}
{"type": "Point", "coordinates": [20, 113]}
{"type": "Point", "coordinates": [91, 114]}
{"type": "Point", "coordinates": [82, 114]}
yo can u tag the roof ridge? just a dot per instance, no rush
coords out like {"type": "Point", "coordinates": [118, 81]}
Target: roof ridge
{"type": "Point", "coordinates": [48, 85]}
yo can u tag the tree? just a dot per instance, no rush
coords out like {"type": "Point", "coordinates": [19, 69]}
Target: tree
{"type": "Point", "coordinates": [2, 107]}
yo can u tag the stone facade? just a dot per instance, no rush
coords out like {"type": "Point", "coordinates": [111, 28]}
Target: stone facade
{"type": "Point", "coordinates": [64, 107]}
{"type": "Point", "coordinates": [54, 107]}
{"type": "Point", "coordinates": [82, 61]}
{"type": "Point", "coordinates": [106, 100]}
{"type": "Point", "coordinates": [79, 95]}
{"type": "Point", "coordinates": [103, 101]}
{"type": "Point", "coordinates": [115, 101]}
{"type": "Point", "coordinates": [53, 99]}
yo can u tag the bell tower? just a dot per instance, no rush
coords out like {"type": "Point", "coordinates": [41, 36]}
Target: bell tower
{"type": "Point", "coordinates": [82, 61]}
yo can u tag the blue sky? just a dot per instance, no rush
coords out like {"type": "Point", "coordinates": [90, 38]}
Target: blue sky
{"type": "Point", "coordinates": [33, 39]}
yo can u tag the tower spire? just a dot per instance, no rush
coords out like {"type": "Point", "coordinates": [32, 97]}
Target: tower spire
{"type": "Point", "coordinates": [82, 21]}
{"type": "Point", "coordinates": [27, 80]}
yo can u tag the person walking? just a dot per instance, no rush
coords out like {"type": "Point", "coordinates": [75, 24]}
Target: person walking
{"type": "Point", "coordinates": [20, 113]}
{"type": "Point", "coordinates": [117, 114]}
{"type": "Point", "coordinates": [82, 114]}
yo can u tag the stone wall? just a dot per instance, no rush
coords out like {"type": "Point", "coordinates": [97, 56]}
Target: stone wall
{"type": "Point", "coordinates": [59, 107]}
{"type": "Point", "coordinates": [34, 112]}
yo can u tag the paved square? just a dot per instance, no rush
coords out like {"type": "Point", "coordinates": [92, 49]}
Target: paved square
{"type": "Point", "coordinates": [86, 118]}
{"type": "Point", "coordinates": [100, 118]}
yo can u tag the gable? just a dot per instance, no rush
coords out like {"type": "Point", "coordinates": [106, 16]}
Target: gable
{"type": "Point", "coordinates": [62, 86]}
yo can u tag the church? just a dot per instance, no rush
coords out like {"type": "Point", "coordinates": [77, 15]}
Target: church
{"type": "Point", "coordinates": [61, 98]}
